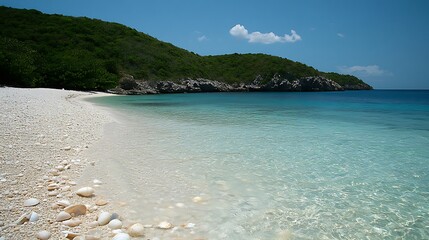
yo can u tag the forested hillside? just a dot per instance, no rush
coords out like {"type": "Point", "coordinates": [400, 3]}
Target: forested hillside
{"type": "Point", "coordinates": [41, 50]}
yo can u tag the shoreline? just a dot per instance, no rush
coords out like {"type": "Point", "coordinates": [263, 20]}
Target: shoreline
{"type": "Point", "coordinates": [46, 134]}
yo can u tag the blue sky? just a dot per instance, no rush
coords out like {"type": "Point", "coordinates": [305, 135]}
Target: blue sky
{"type": "Point", "coordinates": [384, 42]}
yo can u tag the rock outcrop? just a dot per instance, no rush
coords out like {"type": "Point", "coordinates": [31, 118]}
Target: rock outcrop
{"type": "Point", "coordinates": [129, 86]}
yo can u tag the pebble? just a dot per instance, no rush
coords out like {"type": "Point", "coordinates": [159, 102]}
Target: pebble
{"type": "Point", "coordinates": [96, 181]}
{"type": "Point", "coordinates": [34, 217]}
{"type": "Point", "coordinates": [165, 225]}
{"type": "Point", "coordinates": [43, 235]}
{"type": "Point", "coordinates": [115, 224]}
{"type": "Point", "coordinates": [190, 225]}
{"type": "Point", "coordinates": [101, 202]}
{"type": "Point", "coordinates": [62, 216]}
{"type": "Point", "coordinates": [31, 202]}
{"type": "Point", "coordinates": [85, 192]}
{"type": "Point", "coordinates": [121, 236]}
{"type": "Point", "coordinates": [136, 230]}
{"type": "Point", "coordinates": [76, 210]}
{"type": "Point", "coordinates": [72, 222]}
{"type": "Point", "coordinates": [104, 218]}
{"type": "Point", "coordinates": [197, 199]}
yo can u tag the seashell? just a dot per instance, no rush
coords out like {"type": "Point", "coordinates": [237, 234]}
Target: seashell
{"type": "Point", "coordinates": [63, 203]}
{"type": "Point", "coordinates": [76, 210]}
{"type": "Point", "coordinates": [90, 237]}
{"type": "Point", "coordinates": [31, 202]}
{"type": "Point", "coordinates": [115, 224]}
{"type": "Point", "coordinates": [73, 183]}
{"type": "Point", "coordinates": [165, 225]}
{"type": "Point", "coordinates": [70, 235]}
{"type": "Point", "coordinates": [96, 181]}
{"type": "Point", "coordinates": [190, 225]}
{"type": "Point", "coordinates": [23, 218]}
{"type": "Point", "coordinates": [180, 205]}
{"type": "Point", "coordinates": [104, 218]}
{"type": "Point", "coordinates": [62, 216]}
{"type": "Point", "coordinates": [33, 217]}
{"type": "Point", "coordinates": [67, 148]}
{"type": "Point", "coordinates": [85, 192]}
{"type": "Point", "coordinates": [53, 193]}
{"type": "Point", "coordinates": [72, 222]}
{"type": "Point", "coordinates": [121, 236]}
{"type": "Point", "coordinates": [136, 230]}
{"type": "Point", "coordinates": [101, 202]}
{"type": "Point", "coordinates": [43, 235]}
{"type": "Point", "coordinates": [197, 199]}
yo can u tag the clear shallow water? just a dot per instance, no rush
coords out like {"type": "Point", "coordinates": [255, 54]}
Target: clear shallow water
{"type": "Point", "coordinates": [336, 165]}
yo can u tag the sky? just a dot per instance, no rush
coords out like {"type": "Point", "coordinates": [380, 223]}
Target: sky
{"type": "Point", "coordinates": [383, 42]}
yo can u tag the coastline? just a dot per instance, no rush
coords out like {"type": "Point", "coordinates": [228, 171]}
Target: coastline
{"type": "Point", "coordinates": [46, 134]}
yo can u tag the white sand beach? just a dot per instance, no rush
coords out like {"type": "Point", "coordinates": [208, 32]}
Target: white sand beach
{"type": "Point", "coordinates": [44, 134]}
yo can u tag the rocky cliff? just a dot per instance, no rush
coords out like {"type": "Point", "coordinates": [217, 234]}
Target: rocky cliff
{"type": "Point", "coordinates": [129, 86]}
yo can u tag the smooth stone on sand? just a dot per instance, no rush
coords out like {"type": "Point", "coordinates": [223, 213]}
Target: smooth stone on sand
{"type": "Point", "coordinates": [31, 202]}
{"type": "Point", "coordinates": [101, 202]}
{"type": "Point", "coordinates": [165, 225]}
{"type": "Point", "coordinates": [76, 210]}
{"type": "Point", "coordinates": [62, 216]}
{"type": "Point", "coordinates": [104, 218]}
{"type": "Point", "coordinates": [43, 235]}
{"type": "Point", "coordinates": [197, 199]}
{"type": "Point", "coordinates": [72, 222]}
{"type": "Point", "coordinates": [34, 217]}
{"type": "Point", "coordinates": [115, 224]}
{"type": "Point", "coordinates": [121, 236]}
{"type": "Point", "coordinates": [136, 230]}
{"type": "Point", "coordinates": [85, 192]}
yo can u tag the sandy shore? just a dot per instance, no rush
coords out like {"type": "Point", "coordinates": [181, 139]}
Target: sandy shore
{"type": "Point", "coordinates": [44, 136]}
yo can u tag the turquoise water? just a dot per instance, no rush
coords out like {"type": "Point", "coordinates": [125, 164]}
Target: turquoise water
{"type": "Point", "coordinates": [329, 165]}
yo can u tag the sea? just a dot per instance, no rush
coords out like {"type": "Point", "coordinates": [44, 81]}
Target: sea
{"type": "Point", "coordinates": [268, 165]}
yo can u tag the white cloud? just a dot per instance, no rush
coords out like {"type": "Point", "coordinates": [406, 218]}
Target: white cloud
{"type": "Point", "coordinates": [341, 35]}
{"type": "Point", "coordinates": [202, 38]}
{"type": "Point", "coordinates": [371, 70]}
{"type": "Point", "coordinates": [267, 38]}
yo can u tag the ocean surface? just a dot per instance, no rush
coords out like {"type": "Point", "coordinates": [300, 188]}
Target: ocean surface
{"type": "Point", "coordinates": [325, 165]}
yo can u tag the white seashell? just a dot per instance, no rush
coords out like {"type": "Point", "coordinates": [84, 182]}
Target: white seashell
{"type": "Point", "coordinates": [76, 210]}
{"type": "Point", "coordinates": [165, 225]}
{"type": "Point", "coordinates": [31, 202]}
{"type": "Point", "coordinates": [121, 236]}
{"type": "Point", "coordinates": [63, 203]}
{"type": "Point", "coordinates": [180, 205]}
{"type": "Point", "coordinates": [197, 199]}
{"type": "Point", "coordinates": [70, 235]}
{"type": "Point", "coordinates": [190, 225]}
{"type": "Point", "coordinates": [62, 216]}
{"type": "Point", "coordinates": [96, 181]}
{"type": "Point", "coordinates": [104, 218]}
{"type": "Point", "coordinates": [136, 230]}
{"type": "Point", "coordinates": [73, 183]}
{"type": "Point", "coordinates": [72, 222]}
{"type": "Point", "coordinates": [116, 231]}
{"type": "Point", "coordinates": [85, 192]}
{"type": "Point", "coordinates": [115, 224]}
{"type": "Point", "coordinates": [34, 217]}
{"type": "Point", "coordinates": [43, 235]}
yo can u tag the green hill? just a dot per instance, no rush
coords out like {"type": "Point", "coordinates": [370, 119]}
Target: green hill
{"type": "Point", "coordinates": [41, 50]}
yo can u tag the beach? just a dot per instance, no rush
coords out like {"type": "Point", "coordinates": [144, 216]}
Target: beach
{"type": "Point", "coordinates": [45, 134]}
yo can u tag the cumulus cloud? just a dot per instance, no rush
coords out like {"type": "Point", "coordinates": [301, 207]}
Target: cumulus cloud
{"type": "Point", "coordinates": [371, 70]}
{"type": "Point", "coordinates": [240, 31]}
